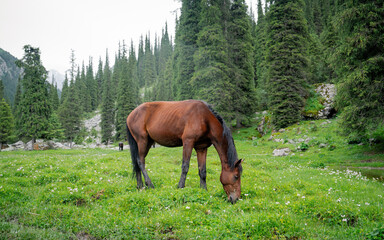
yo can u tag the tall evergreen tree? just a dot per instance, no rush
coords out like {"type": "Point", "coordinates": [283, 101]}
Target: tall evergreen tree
{"type": "Point", "coordinates": [35, 108]}
{"type": "Point", "coordinates": [53, 95]}
{"type": "Point", "coordinates": [64, 90]}
{"type": "Point", "coordinates": [359, 61]}
{"type": "Point", "coordinates": [99, 83]}
{"type": "Point", "coordinates": [149, 74]}
{"type": "Point", "coordinates": [81, 88]}
{"type": "Point", "coordinates": [107, 105]}
{"type": "Point", "coordinates": [260, 58]}
{"type": "Point", "coordinates": [91, 84]}
{"type": "Point", "coordinates": [287, 61]}
{"type": "Point", "coordinates": [127, 93]}
{"type": "Point", "coordinates": [163, 88]}
{"type": "Point", "coordinates": [6, 122]}
{"type": "Point", "coordinates": [69, 114]}
{"type": "Point", "coordinates": [140, 63]}
{"type": "Point", "coordinates": [186, 46]}
{"type": "Point", "coordinates": [211, 80]}
{"type": "Point", "coordinates": [241, 62]}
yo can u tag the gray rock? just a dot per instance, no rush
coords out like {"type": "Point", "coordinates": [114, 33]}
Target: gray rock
{"type": "Point", "coordinates": [281, 152]}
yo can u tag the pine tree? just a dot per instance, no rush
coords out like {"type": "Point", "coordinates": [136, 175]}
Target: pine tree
{"type": "Point", "coordinates": [53, 95]}
{"type": "Point", "coordinates": [55, 130]}
{"type": "Point", "coordinates": [127, 93]}
{"type": "Point", "coordinates": [260, 58]}
{"type": "Point", "coordinates": [107, 105]}
{"type": "Point", "coordinates": [34, 104]}
{"type": "Point", "coordinates": [99, 83]}
{"type": "Point", "coordinates": [81, 89]}
{"type": "Point", "coordinates": [140, 63]}
{"type": "Point", "coordinates": [149, 73]}
{"type": "Point", "coordinates": [185, 47]}
{"type": "Point", "coordinates": [287, 61]}
{"type": "Point", "coordinates": [241, 62]}
{"type": "Point", "coordinates": [6, 123]}
{"type": "Point", "coordinates": [163, 87]}
{"type": "Point", "coordinates": [211, 79]}
{"type": "Point", "coordinates": [359, 61]}
{"type": "Point", "coordinates": [64, 90]}
{"type": "Point", "coordinates": [69, 114]}
{"type": "Point", "coordinates": [91, 84]}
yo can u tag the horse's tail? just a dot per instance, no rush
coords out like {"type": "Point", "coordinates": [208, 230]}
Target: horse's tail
{"type": "Point", "coordinates": [134, 153]}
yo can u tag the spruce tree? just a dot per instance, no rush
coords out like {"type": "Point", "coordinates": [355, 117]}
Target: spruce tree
{"type": "Point", "coordinates": [163, 88]}
{"type": "Point", "coordinates": [260, 58]}
{"type": "Point", "coordinates": [64, 90]}
{"type": "Point", "coordinates": [99, 83]}
{"type": "Point", "coordinates": [107, 105]}
{"type": "Point", "coordinates": [287, 60]}
{"type": "Point", "coordinates": [6, 122]}
{"type": "Point", "coordinates": [241, 51]}
{"type": "Point", "coordinates": [127, 93]}
{"type": "Point", "coordinates": [69, 114]}
{"type": "Point", "coordinates": [140, 63]}
{"type": "Point", "coordinates": [53, 95]}
{"type": "Point", "coordinates": [211, 80]}
{"type": "Point", "coordinates": [149, 73]}
{"type": "Point", "coordinates": [359, 61]}
{"type": "Point", "coordinates": [91, 84]}
{"type": "Point", "coordinates": [35, 107]}
{"type": "Point", "coordinates": [185, 47]}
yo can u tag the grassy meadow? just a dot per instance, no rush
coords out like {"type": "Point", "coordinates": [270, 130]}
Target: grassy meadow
{"type": "Point", "coordinates": [90, 194]}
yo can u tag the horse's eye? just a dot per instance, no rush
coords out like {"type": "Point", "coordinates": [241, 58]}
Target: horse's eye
{"type": "Point", "coordinates": [236, 177]}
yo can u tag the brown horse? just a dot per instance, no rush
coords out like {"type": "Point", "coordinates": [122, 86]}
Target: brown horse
{"type": "Point", "coordinates": [191, 124]}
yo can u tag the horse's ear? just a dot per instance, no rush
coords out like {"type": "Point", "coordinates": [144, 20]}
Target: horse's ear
{"type": "Point", "coordinates": [238, 162]}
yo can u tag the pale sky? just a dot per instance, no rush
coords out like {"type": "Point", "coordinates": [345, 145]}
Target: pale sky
{"type": "Point", "coordinates": [88, 27]}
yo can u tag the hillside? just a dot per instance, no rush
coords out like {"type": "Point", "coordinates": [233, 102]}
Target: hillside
{"type": "Point", "coordinates": [9, 74]}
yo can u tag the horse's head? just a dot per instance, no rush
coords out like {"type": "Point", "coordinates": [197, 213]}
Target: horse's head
{"type": "Point", "coordinates": [230, 178]}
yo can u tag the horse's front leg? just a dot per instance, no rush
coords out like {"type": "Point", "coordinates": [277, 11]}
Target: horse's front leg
{"type": "Point", "coordinates": [201, 160]}
{"type": "Point", "coordinates": [187, 151]}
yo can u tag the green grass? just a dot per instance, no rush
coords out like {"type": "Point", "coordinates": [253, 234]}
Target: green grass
{"type": "Point", "coordinates": [89, 194]}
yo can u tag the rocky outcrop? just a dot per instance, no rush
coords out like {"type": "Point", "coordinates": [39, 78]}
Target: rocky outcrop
{"type": "Point", "coordinates": [328, 93]}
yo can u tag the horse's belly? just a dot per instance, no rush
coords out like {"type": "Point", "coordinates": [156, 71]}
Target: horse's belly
{"type": "Point", "coordinates": [169, 142]}
{"type": "Point", "coordinates": [165, 138]}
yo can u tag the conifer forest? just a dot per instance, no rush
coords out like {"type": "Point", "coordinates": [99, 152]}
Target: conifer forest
{"type": "Point", "coordinates": [238, 59]}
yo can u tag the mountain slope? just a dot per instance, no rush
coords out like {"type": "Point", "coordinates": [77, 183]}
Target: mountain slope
{"type": "Point", "coordinates": [9, 74]}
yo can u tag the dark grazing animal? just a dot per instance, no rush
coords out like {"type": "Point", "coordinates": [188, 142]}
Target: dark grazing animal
{"type": "Point", "coordinates": [190, 124]}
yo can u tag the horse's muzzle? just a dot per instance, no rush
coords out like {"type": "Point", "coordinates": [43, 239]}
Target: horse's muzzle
{"type": "Point", "coordinates": [233, 198]}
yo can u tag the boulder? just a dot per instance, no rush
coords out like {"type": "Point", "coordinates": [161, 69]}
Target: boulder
{"type": "Point", "coordinates": [18, 145]}
{"type": "Point", "coordinates": [281, 152]}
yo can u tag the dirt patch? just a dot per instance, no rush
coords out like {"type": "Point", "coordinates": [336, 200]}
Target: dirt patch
{"type": "Point", "coordinates": [80, 202]}
{"type": "Point", "coordinates": [84, 236]}
{"type": "Point", "coordinates": [98, 194]}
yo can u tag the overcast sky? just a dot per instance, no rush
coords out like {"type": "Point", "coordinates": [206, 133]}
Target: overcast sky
{"type": "Point", "coordinates": [87, 26]}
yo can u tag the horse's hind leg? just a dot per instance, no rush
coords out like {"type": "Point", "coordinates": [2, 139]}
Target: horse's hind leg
{"type": "Point", "coordinates": [144, 147]}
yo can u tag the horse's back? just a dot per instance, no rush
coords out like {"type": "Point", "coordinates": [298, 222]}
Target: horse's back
{"type": "Point", "coordinates": [169, 123]}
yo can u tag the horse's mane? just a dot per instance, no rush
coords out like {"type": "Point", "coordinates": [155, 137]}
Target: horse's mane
{"type": "Point", "coordinates": [231, 152]}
